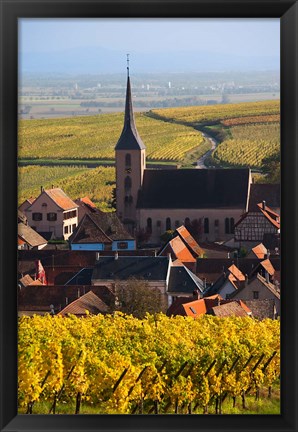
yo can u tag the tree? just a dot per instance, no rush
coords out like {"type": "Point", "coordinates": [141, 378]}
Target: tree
{"type": "Point", "coordinates": [135, 297]}
{"type": "Point", "coordinates": [271, 167]}
{"type": "Point", "coordinates": [166, 236]}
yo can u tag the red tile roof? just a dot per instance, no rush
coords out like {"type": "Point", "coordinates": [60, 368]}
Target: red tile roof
{"type": "Point", "coordinates": [88, 302]}
{"type": "Point", "coordinates": [190, 241]}
{"type": "Point", "coordinates": [61, 199]}
{"type": "Point", "coordinates": [260, 251]}
{"type": "Point", "coordinates": [86, 200]}
{"type": "Point", "coordinates": [238, 275]}
{"type": "Point", "coordinates": [180, 250]}
{"type": "Point", "coordinates": [270, 215]}
{"type": "Point", "coordinates": [266, 264]}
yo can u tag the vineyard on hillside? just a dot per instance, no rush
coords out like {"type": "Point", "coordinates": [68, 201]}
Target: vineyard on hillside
{"type": "Point", "coordinates": [96, 183]}
{"type": "Point", "coordinates": [119, 364]}
{"type": "Point", "coordinates": [249, 145]}
{"type": "Point", "coordinates": [198, 115]}
{"type": "Point", "coordinates": [95, 137]}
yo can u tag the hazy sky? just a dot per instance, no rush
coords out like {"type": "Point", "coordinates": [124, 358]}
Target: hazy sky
{"type": "Point", "coordinates": [242, 37]}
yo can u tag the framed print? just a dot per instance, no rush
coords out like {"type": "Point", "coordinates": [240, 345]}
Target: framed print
{"type": "Point", "coordinates": [148, 157]}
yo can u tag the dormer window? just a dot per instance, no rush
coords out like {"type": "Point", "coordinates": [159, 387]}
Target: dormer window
{"type": "Point", "coordinates": [44, 205]}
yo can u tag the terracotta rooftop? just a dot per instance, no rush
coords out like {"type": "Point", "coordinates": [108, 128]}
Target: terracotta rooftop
{"type": "Point", "coordinates": [179, 250]}
{"type": "Point", "coordinates": [61, 199]}
{"type": "Point", "coordinates": [260, 251]}
{"type": "Point", "coordinates": [266, 264]}
{"type": "Point", "coordinates": [190, 241]}
{"type": "Point", "coordinates": [87, 302]}
{"type": "Point", "coordinates": [270, 215]}
{"type": "Point", "coordinates": [86, 200]}
{"type": "Point", "coordinates": [238, 275]}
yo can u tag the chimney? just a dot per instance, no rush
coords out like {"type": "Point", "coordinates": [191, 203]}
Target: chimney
{"type": "Point", "coordinates": [228, 255]}
{"type": "Point", "coordinates": [155, 252]}
{"type": "Point", "coordinates": [41, 189]}
{"type": "Point", "coordinates": [116, 255]}
{"type": "Point", "coordinates": [79, 293]}
{"type": "Point", "coordinates": [97, 256]}
{"type": "Point", "coordinates": [267, 276]}
{"type": "Point", "coordinates": [246, 279]}
{"type": "Point", "coordinates": [263, 205]}
{"type": "Point", "coordinates": [196, 294]}
{"type": "Point", "coordinates": [52, 312]}
{"type": "Point", "coordinates": [268, 253]}
{"type": "Point", "coordinates": [218, 301]}
{"type": "Point", "coordinates": [66, 301]}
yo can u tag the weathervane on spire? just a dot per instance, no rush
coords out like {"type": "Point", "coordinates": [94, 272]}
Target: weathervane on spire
{"type": "Point", "coordinates": [127, 59]}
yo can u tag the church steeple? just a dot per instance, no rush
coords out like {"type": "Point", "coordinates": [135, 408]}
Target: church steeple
{"type": "Point", "coordinates": [129, 138]}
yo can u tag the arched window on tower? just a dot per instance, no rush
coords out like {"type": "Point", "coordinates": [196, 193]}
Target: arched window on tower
{"type": "Point", "coordinates": [127, 160]}
{"type": "Point", "coordinates": [168, 224]}
{"type": "Point", "coordinates": [127, 185]}
{"type": "Point", "coordinates": [149, 225]}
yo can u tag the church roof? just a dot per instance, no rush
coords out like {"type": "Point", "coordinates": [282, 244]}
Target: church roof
{"type": "Point", "coordinates": [129, 138]}
{"type": "Point", "coordinates": [264, 192]}
{"type": "Point", "coordinates": [194, 189]}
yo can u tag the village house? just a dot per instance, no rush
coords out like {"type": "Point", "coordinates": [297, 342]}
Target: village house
{"type": "Point", "coordinates": [258, 288]}
{"type": "Point", "coordinates": [101, 231]}
{"type": "Point", "coordinates": [28, 238]}
{"type": "Point", "coordinates": [254, 224]}
{"type": "Point", "coordinates": [53, 211]}
{"type": "Point", "coordinates": [156, 200]}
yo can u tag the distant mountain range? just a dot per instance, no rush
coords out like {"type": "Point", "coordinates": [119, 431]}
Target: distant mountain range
{"type": "Point", "coordinates": [94, 60]}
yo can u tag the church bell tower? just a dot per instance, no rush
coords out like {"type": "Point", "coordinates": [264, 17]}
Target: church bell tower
{"type": "Point", "coordinates": [130, 164]}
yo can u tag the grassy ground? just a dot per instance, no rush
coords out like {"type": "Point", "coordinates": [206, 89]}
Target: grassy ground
{"type": "Point", "coordinates": [264, 406]}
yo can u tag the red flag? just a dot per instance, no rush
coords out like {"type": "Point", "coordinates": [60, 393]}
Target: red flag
{"type": "Point", "coordinates": [40, 272]}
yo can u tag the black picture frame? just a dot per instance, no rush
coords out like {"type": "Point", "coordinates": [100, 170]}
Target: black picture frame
{"type": "Point", "coordinates": [10, 11]}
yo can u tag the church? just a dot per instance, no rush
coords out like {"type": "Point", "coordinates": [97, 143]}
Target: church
{"type": "Point", "coordinates": [156, 200]}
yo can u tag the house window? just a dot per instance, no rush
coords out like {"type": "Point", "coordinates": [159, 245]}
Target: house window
{"type": "Point", "coordinates": [168, 224]}
{"type": "Point", "coordinates": [70, 214]}
{"type": "Point", "coordinates": [229, 225]}
{"type": "Point", "coordinates": [206, 225]}
{"type": "Point", "coordinates": [122, 245]}
{"type": "Point", "coordinates": [37, 216]}
{"type": "Point", "coordinates": [255, 295]}
{"type": "Point", "coordinates": [149, 225]}
{"type": "Point", "coordinates": [52, 217]}
{"type": "Point", "coordinates": [66, 229]}
{"type": "Point", "coordinates": [232, 225]}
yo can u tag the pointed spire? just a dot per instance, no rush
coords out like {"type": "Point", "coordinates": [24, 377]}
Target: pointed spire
{"type": "Point", "coordinates": [129, 139]}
